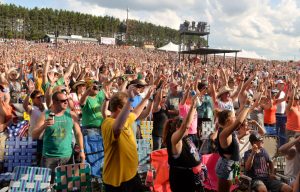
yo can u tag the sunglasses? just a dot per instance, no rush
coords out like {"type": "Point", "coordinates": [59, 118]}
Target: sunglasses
{"type": "Point", "coordinates": [39, 97]}
{"type": "Point", "coordinates": [62, 100]}
{"type": "Point", "coordinates": [139, 86]}
{"type": "Point", "coordinates": [64, 91]}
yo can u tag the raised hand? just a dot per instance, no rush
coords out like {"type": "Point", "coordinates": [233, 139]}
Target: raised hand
{"type": "Point", "coordinates": [49, 57]}
{"type": "Point", "coordinates": [150, 92]}
{"type": "Point", "coordinates": [131, 91]}
{"type": "Point", "coordinates": [31, 86]}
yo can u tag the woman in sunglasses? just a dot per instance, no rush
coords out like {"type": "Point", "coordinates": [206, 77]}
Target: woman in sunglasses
{"type": "Point", "coordinates": [35, 110]}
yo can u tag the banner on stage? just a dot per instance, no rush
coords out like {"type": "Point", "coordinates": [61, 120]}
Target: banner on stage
{"type": "Point", "coordinates": [108, 41]}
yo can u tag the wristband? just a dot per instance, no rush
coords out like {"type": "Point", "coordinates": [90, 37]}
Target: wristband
{"type": "Point", "coordinates": [130, 100]}
{"type": "Point", "coordinates": [81, 151]}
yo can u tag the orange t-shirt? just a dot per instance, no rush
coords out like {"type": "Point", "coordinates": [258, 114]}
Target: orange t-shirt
{"type": "Point", "coordinates": [269, 115]}
{"type": "Point", "coordinates": [293, 119]}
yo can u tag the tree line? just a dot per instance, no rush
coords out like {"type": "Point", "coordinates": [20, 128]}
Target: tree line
{"type": "Point", "coordinates": [34, 24]}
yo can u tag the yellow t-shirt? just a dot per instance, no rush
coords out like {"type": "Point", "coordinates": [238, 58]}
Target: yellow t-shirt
{"type": "Point", "coordinates": [120, 155]}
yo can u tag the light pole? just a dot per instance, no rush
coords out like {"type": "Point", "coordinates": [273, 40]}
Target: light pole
{"type": "Point", "coordinates": [126, 39]}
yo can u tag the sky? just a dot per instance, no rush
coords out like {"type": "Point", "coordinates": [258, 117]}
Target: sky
{"type": "Point", "coordinates": [266, 28]}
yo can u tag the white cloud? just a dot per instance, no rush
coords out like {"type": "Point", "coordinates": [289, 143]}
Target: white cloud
{"type": "Point", "coordinates": [269, 28]}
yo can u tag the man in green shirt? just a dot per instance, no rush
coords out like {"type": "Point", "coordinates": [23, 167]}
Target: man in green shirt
{"type": "Point", "coordinates": [91, 102]}
{"type": "Point", "coordinates": [57, 125]}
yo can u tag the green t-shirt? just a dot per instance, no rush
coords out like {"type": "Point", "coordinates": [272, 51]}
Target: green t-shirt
{"type": "Point", "coordinates": [57, 139]}
{"type": "Point", "coordinates": [91, 111]}
{"type": "Point", "coordinates": [60, 81]}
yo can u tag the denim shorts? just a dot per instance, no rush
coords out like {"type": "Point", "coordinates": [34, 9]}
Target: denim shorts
{"type": "Point", "coordinates": [224, 168]}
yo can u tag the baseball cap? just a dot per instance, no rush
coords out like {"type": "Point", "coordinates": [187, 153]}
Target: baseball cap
{"type": "Point", "coordinates": [255, 136]}
{"type": "Point", "coordinates": [274, 91]}
{"type": "Point", "coordinates": [139, 82]}
{"type": "Point", "coordinates": [173, 84]}
{"type": "Point", "coordinates": [279, 81]}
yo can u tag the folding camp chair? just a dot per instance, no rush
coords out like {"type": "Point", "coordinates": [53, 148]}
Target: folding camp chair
{"type": "Point", "coordinates": [73, 177]}
{"type": "Point", "coordinates": [146, 130]}
{"type": "Point", "coordinates": [19, 152]}
{"type": "Point", "coordinates": [29, 179]}
{"type": "Point", "coordinates": [159, 161]}
{"type": "Point", "coordinates": [271, 143]}
{"type": "Point", "coordinates": [144, 150]}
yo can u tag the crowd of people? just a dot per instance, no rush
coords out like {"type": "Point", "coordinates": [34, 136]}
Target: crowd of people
{"type": "Point", "coordinates": [92, 95]}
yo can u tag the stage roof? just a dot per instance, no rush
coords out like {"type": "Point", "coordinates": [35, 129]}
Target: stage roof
{"type": "Point", "coordinates": [207, 51]}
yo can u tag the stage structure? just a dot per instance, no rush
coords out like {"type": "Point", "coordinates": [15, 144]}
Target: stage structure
{"type": "Point", "coordinates": [192, 41]}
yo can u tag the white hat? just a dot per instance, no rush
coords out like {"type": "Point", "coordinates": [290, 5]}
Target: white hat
{"type": "Point", "coordinates": [13, 70]}
{"type": "Point", "coordinates": [279, 81]}
{"type": "Point", "coordinates": [54, 70]}
{"type": "Point", "coordinates": [223, 90]}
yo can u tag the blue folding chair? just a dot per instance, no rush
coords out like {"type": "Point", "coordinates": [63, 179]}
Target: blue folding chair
{"type": "Point", "coordinates": [19, 152]}
{"type": "Point", "coordinates": [144, 150]}
{"type": "Point", "coordinates": [30, 179]}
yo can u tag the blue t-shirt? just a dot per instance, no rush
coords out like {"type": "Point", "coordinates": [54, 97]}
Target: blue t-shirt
{"type": "Point", "coordinates": [136, 101]}
{"type": "Point", "coordinates": [260, 166]}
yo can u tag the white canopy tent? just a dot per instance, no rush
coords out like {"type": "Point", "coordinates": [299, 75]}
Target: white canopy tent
{"type": "Point", "coordinates": [170, 47]}
{"type": "Point", "coordinates": [245, 54]}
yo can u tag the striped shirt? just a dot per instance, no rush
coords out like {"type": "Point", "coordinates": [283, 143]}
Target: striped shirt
{"type": "Point", "coordinates": [260, 166]}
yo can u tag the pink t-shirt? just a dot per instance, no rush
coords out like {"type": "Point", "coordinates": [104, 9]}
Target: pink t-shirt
{"type": "Point", "coordinates": [183, 111]}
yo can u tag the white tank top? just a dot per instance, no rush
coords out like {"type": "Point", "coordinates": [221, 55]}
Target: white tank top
{"type": "Point", "coordinates": [228, 105]}
{"type": "Point", "coordinates": [281, 106]}
{"type": "Point", "coordinates": [34, 116]}
{"type": "Point", "coordinates": [292, 167]}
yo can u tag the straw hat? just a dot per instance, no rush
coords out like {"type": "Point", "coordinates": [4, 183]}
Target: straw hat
{"type": "Point", "coordinates": [81, 82]}
{"type": "Point", "coordinates": [223, 90]}
{"type": "Point", "coordinates": [13, 70]}
{"type": "Point", "coordinates": [54, 70]}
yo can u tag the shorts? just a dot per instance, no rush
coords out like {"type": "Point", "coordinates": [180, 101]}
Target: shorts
{"type": "Point", "coordinates": [224, 168]}
{"type": "Point", "coordinates": [53, 162]}
{"type": "Point", "coordinates": [271, 184]}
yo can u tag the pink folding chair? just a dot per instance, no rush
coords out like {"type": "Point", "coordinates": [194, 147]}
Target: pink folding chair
{"type": "Point", "coordinates": [159, 161]}
{"type": "Point", "coordinates": [210, 160]}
